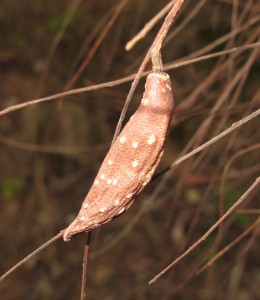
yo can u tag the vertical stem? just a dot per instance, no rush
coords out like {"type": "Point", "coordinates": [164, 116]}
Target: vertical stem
{"type": "Point", "coordinates": [153, 52]}
{"type": "Point", "coordinates": [84, 266]}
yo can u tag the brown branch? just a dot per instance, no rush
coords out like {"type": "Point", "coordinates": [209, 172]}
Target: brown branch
{"type": "Point", "coordinates": [120, 236]}
{"type": "Point", "coordinates": [208, 232]}
{"type": "Point", "coordinates": [97, 43]}
{"type": "Point", "coordinates": [186, 21]}
{"type": "Point", "coordinates": [84, 267]}
{"type": "Point", "coordinates": [31, 255]}
{"type": "Point", "coordinates": [222, 39]}
{"type": "Point", "coordinates": [229, 246]}
{"type": "Point", "coordinates": [52, 149]}
{"type": "Point", "coordinates": [148, 26]}
{"type": "Point", "coordinates": [124, 79]}
{"type": "Point", "coordinates": [154, 51]}
{"type": "Point", "coordinates": [177, 162]}
{"type": "Point", "coordinates": [72, 7]}
{"type": "Point", "coordinates": [251, 211]}
{"type": "Point", "coordinates": [233, 127]}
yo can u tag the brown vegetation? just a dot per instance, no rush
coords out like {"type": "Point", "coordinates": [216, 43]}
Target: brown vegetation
{"type": "Point", "coordinates": [51, 149]}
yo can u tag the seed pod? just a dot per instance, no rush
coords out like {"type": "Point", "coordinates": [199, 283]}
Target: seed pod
{"type": "Point", "coordinates": [132, 159]}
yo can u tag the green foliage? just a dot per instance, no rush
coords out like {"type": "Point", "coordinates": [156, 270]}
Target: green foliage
{"type": "Point", "coordinates": [10, 186]}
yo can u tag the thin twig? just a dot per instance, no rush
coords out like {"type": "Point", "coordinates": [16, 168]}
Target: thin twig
{"type": "Point", "coordinates": [208, 232]}
{"type": "Point", "coordinates": [112, 83]}
{"type": "Point", "coordinates": [233, 127]}
{"type": "Point", "coordinates": [68, 15]}
{"type": "Point", "coordinates": [153, 51]}
{"type": "Point", "coordinates": [223, 38]}
{"type": "Point", "coordinates": [148, 26]}
{"type": "Point", "coordinates": [227, 168]}
{"type": "Point", "coordinates": [229, 246]}
{"type": "Point", "coordinates": [52, 149]}
{"type": "Point", "coordinates": [31, 255]}
{"type": "Point", "coordinates": [84, 266]}
{"type": "Point", "coordinates": [120, 236]}
{"type": "Point", "coordinates": [186, 21]}
{"type": "Point", "coordinates": [190, 100]}
{"type": "Point", "coordinates": [97, 43]}
{"type": "Point", "coordinates": [251, 211]}
{"type": "Point", "coordinates": [177, 162]}
{"type": "Point", "coordinates": [176, 65]}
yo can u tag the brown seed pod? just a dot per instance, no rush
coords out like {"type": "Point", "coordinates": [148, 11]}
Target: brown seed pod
{"type": "Point", "coordinates": [132, 159]}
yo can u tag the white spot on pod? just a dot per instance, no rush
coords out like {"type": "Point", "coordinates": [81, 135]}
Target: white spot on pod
{"type": "Point", "coordinates": [109, 181]}
{"type": "Point", "coordinates": [135, 145]}
{"type": "Point", "coordinates": [109, 162]}
{"type": "Point", "coordinates": [151, 139]}
{"type": "Point", "coordinates": [114, 181]}
{"type": "Point", "coordinates": [163, 90]}
{"type": "Point", "coordinates": [168, 87]}
{"type": "Point", "coordinates": [82, 218]}
{"type": "Point", "coordinates": [121, 211]}
{"type": "Point", "coordinates": [85, 205]}
{"type": "Point", "coordinates": [129, 196]}
{"type": "Point", "coordinates": [152, 93]}
{"type": "Point", "coordinates": [116, 203]}
{"type": "Point", "coordinates": [145, 101]}
{"type": "Point", "coordinates": [96, 182]}
{"type": "Point", "coordinates": [135, 163]}
{"type": "Point", "coordinates": [142, 176]}
{"type": "Point", "coordinates": [102, 209]}
{"type": "Point", "coordinates": [122, 139]}
{"type": "Point", "coordinates": [148, 177]}
{"type": "Point", "coordinates": [103, 176]}
{"type": "Point", "coordinates": [163, 76]}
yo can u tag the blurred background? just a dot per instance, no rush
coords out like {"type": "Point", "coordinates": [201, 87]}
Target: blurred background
{"type": "Point", "coordinates": [51, 152]}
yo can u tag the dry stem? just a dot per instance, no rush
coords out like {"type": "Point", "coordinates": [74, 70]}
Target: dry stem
{"type": "Point", "coordinates": [84, 266]}
{"type": "Point", "coordinates": [174, 164]}
{"type": "Point", "coordinates": [124, 79]}
{"type": "Point", "coordinates": [207, 233]}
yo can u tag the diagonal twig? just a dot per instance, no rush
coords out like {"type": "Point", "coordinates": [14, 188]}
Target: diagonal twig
{"type": "Point", "coordinates": [208, 232]}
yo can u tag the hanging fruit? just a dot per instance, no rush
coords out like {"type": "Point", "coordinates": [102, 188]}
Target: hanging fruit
{"type": "Point", "coordinates": [131, 160]}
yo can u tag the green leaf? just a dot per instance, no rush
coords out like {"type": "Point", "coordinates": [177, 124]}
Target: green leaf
{"type": "Point", "coordinates": [10, 186]}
